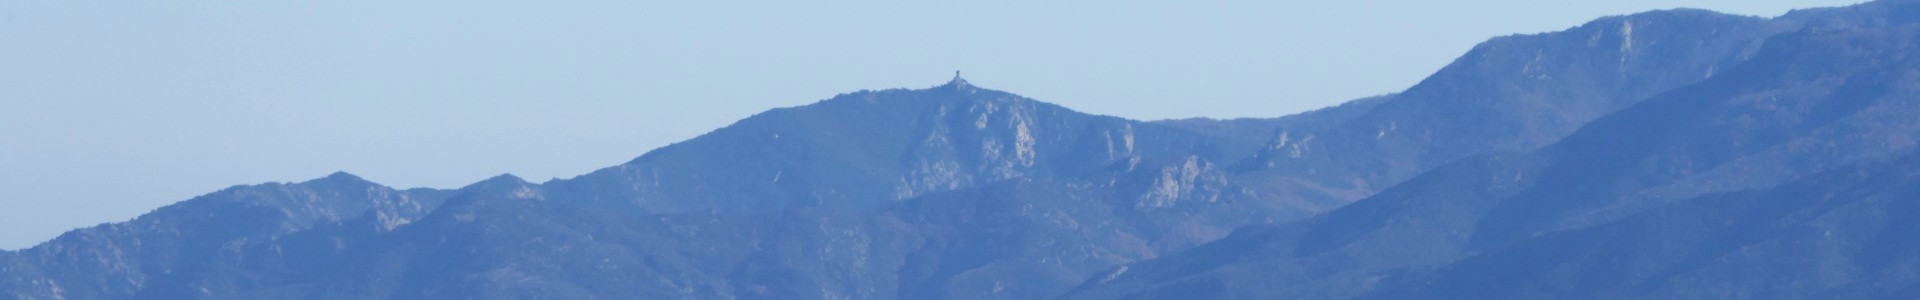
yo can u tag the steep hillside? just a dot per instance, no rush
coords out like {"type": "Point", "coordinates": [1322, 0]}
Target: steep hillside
{"type": "Point", "coordinates": [162, 250]}
{"type": "Point", "coordinates": [1537, 225]}
{"type": "Point", "coordinates": [1512, 93]}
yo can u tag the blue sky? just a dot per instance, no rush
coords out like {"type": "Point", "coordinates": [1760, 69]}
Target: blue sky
{"type": "Point", "coordinates": [109, 109]}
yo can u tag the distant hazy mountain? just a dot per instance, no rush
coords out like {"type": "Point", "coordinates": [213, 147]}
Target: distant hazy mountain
{"type": "Point", "coordinates": [1782, 177]}
{"type": "Point", "coordinates": [1512, 93]}
{"type": "Point", "coordinates": [940, 192]}
{"type": "Point", "coordinates": [159, 254]}
{"type": "Point", "coordinates": [1669, 154]}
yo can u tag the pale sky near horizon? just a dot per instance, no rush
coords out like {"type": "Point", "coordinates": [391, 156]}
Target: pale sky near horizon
{"type": "Point", "coordinates": [109, 109]}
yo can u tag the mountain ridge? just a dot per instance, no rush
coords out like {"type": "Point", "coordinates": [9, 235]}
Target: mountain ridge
{"type": "Point", "coordinates": [1524, 144]}
{"type": "Point", "coordinates": [1011, 145]}
{"type": "Point", "coordinates": [1826, 98]}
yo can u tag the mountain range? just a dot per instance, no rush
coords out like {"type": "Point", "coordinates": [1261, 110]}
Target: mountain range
{"type": "Point", "coordinates": [1666, 154]}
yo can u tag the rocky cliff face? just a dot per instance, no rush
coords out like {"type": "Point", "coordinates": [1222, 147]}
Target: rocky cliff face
{"type": "Point", "coordinates": [873, 148]}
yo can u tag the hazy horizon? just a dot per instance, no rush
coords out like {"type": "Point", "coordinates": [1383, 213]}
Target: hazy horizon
{"type": "Point", "coordinates": [114, 109]}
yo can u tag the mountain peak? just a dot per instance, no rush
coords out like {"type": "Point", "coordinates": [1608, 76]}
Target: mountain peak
{"type": "Point", "coordinates": [504, 180]}
{"type": "Point", "coordinates": [340, 177]}
{"type": "Point", "coordinates": [958, 83]}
